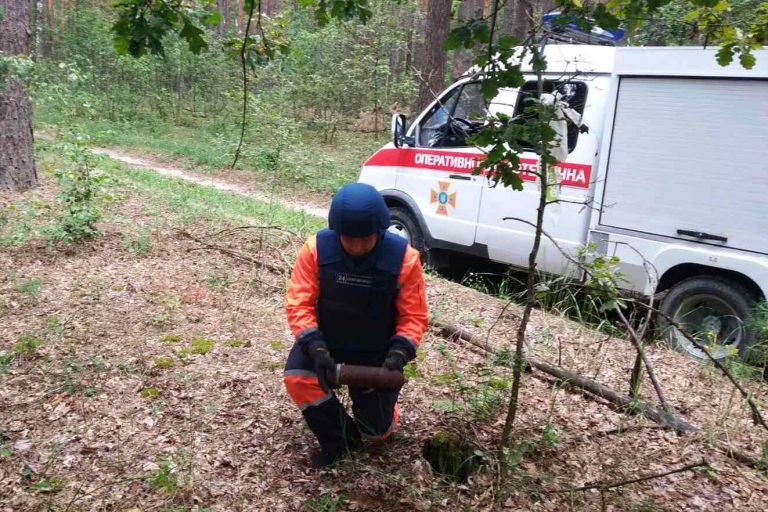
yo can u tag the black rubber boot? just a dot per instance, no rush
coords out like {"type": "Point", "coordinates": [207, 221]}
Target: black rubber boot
{"type": "Point", "coordinates": [324, 459]}
{"type": "Point", "coordinates": [331, 454]}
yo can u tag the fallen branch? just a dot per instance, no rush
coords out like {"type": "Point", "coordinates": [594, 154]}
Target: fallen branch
{"type": "Point", "coordinates": [238, 228]}
{"type": "Point", "coordinates": [622, 402]}
{"type": "Point", "coordinates": [612, 485]}
{"type": "Point", "coordinates": [234, 254]}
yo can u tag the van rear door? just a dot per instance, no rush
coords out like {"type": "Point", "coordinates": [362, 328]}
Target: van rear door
{"type": "Point", "coordinates": [688, 160]}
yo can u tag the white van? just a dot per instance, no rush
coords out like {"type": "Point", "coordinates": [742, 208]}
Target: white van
{"type": "Point", "coordinates": [674, 166]}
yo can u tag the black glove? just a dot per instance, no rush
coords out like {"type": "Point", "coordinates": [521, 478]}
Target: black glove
{"type": "Point", "coordinates": [395, 360]}
{"type": "Point", "coordinates": [318, 351]}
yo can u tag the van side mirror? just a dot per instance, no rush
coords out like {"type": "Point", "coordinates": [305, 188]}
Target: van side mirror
{"type": "Point", "coordinates": [398, 131]}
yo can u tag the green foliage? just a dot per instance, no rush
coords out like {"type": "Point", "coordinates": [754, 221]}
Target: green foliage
{"type": "Point", "coordinates": [171, 338]}
{"type": "Point", "coordinates": [82, 192]}
{"type": "Point", "coordinates": [326, 503]}
{"type": "Point", "coordinates": [550, 436]}
{"type": "Point", "coordinates": [411, 371]}
{"type": "Point", "coordinates": [25, 347]}
{"type": "Point", "coordinates": [30, 288]}
{"type": "Point", "coordinates": [201, 345]}
{"type": "Point", "coordinates": [758, 324]}
{"type": "Point", "coordinates": [150, 392]}
{"type": "Point", "coordinates": [234, 343]}
{"type": "Point", "coordinates": [164, 362]}
{"type": "Point", "coordinates": [57, 326]}
{"type": "Point", "coordinates": [49, 484]}
{"type": "Point", "coordinates": [127, 368]}
{"type": "Point", "coordinates": [602, 275]}
{"type": "Point", "coordinates": [478, 395]}
{"type": "Point", "coordinates": [260, 48]}
{"type": "Point", "coordinates": [5, 451]}
{"type": "Point", "coordinates": [762, 463]}
{"type": "Point", "coordinates": [714, 18]}
{"type": "Point", "coordinates": [141, 26]}
{"type": "Point", "coordinates": [138, 244]}
{"type": "Point", "coordinates": [14, 67]}
{"type": "Point", "coordinates": [325, 10]}
{"type": "Point", "coordinates": [170, 303]}
{"type": "Point", "coordinates": [218, 277]}
{"type": "Point", "coordinates": [166, 477]}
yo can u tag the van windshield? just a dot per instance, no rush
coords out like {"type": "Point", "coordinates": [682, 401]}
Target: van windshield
{"type": "Point", "coordinates": [454, 118]}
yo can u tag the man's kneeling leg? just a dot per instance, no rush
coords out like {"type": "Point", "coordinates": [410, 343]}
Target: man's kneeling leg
{"type": "Point", "coordinates": [375, 412]}
{"type": "Point", "coordinates": [334, 428]}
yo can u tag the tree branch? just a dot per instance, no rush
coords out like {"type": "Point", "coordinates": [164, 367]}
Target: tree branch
{"type": "Point", "coordinates": [623, 403]}
{"type": "Point", "coordinates": [230, 252]}
{"type": "Point", "coordinates": [245, 78]}
{"type": "Point", "coordinates": [612, 485]}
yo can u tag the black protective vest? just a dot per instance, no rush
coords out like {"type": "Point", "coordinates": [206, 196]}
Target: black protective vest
{"type": "Point", "coordinates": [356, 309]}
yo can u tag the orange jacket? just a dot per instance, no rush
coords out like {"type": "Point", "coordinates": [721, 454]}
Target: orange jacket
{"type": "Point", "coordinates": [304, 290]}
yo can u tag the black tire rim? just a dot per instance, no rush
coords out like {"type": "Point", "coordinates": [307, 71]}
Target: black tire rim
{"type": "Point", "coordinates": [712, 321]}
{"type": "Point", "coordinates": [399, 229]}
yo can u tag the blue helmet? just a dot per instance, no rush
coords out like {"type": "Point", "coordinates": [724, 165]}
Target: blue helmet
{"type": "Point", "coordinates": [358, 210]}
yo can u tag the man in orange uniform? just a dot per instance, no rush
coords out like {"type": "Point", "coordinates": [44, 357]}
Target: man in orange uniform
{"type": "Point", "coordinates": [357, 296]}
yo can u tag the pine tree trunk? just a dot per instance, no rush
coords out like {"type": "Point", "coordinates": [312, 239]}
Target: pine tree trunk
{"type": "Point", "coordinates": [17, 165]}
{"type": "Point", "coordinates": [517, 18]}
{"type": "Point", "coordinates": [221, 8]}
{"type": "Point", "coordinates": [430, 56]}
{"type": "Point", "coordinates": [463, 58]}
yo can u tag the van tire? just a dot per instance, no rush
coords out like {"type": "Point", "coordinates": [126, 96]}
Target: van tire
{"type": "Point", "coordinates": [403, 223]}
{"type": "Point", "coordinates": [708, 301]}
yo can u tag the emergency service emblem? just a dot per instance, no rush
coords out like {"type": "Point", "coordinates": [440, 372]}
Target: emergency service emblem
{"type": "Point", "coordinates": [442, 197]}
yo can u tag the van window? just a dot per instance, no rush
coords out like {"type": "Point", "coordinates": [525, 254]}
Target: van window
{"type": "Point", "coordinates": [454, 118]}
{"type": "Point", "coordinates": [573, 93]}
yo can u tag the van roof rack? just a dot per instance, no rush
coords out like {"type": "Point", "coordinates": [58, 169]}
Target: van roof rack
{"type": "Point", "coordinates": [563, 28]}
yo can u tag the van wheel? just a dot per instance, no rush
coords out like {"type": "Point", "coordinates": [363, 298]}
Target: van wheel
{"type": "Point", "coordinates": [404, 225]}
{"type": "Point", "coordinates": [714, 311]}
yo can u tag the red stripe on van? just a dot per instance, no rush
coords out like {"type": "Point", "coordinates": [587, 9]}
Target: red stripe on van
{"type": "Point", "coordinates": [571, 174]}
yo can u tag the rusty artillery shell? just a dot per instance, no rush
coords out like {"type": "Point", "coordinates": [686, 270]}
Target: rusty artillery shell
{"type": "Point", "coordinates": [358, 376]}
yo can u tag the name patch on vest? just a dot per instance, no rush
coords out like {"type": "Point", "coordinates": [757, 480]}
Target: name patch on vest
{"type": "Point", "coordinates": [354, 280]}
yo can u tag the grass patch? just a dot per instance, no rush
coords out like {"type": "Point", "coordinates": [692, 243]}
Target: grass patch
{"type": "Point", "coordinates": [150, 392]}
{"type": "Point", "coordinates": [190, 202]}
{"type": "Point", "coordinates": [52, 484]}
{"type": "Point", "coordinates": [26, 348]}
{"type": "Point", "coordinates": [164, 362]}
{"type": "Point", "coordinates": [30, 288]}
{"type": "Point", "coordinates": [234, 343]}
{"type": "Point", "coordinates": [307, 164]}
{"type": "Point", "coordinates": [171, 338]}
{"type": "Point", "coordinates": [201, 345]}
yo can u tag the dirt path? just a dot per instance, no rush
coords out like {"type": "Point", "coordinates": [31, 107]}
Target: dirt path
{"type": "Point", "coordinates": [158, 167]}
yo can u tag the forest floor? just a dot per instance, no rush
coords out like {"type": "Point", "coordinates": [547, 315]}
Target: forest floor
{"type": "Point", "coordinates": [140, 371]}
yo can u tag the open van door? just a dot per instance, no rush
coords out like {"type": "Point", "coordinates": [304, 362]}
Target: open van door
{"type": "Point", "coordinates": [510, 241]}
